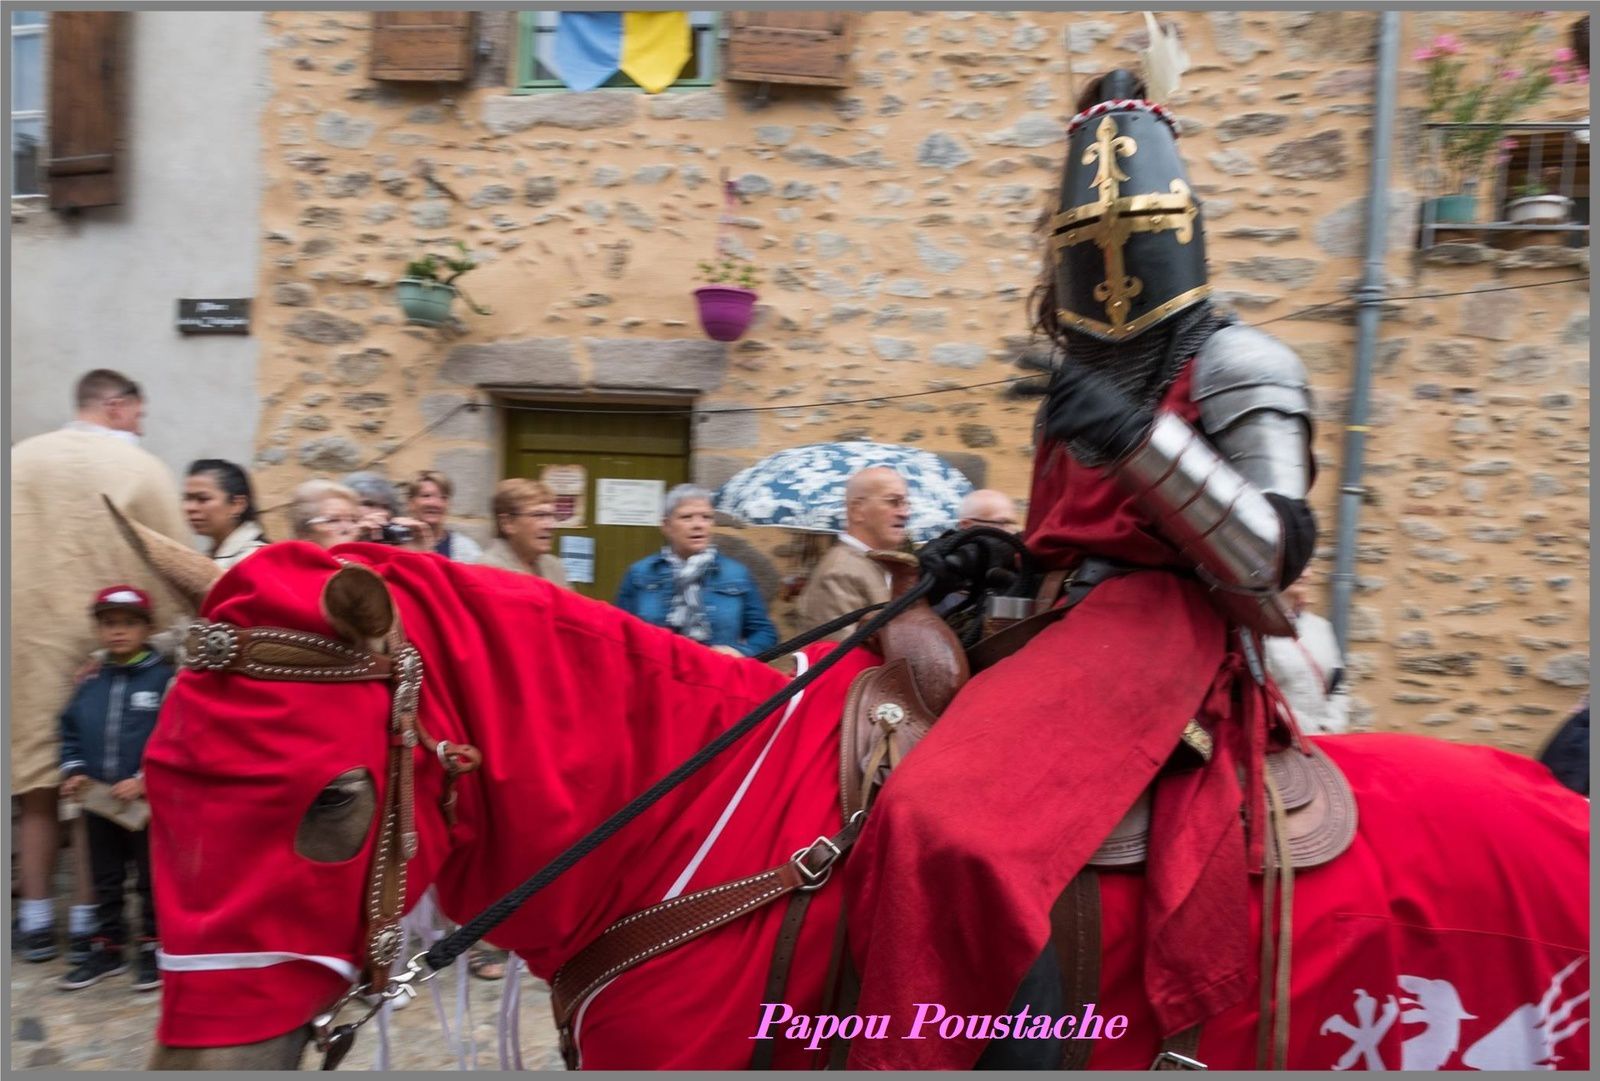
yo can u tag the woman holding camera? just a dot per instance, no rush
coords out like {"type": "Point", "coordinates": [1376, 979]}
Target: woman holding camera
{"type": "Point", "coordinates": [380, 514]}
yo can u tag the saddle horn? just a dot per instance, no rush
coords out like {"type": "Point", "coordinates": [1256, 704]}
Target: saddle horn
{"type": "Point", "coordinates": [926, 642]}
{"type": "Point", "coordinates": [190, 574]}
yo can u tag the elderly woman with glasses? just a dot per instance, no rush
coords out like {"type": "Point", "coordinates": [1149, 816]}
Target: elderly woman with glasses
{"type": "Point", "coordinates": [690, 588]}
{"type": "Point", "coordinates": [524, 526]}
{"type": "Point", "coordinates": [325, 513]}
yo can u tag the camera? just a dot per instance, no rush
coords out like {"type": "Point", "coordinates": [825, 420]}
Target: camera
{"type": "Point", "coordinates": [394, 533]}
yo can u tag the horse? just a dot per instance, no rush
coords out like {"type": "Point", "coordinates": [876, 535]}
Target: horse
{"type": "Point", "coordinates": [1467, 875]}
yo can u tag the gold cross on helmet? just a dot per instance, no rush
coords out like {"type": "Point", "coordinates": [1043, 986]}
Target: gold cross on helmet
{"type": "Point", "coordinates": [1110, 284]}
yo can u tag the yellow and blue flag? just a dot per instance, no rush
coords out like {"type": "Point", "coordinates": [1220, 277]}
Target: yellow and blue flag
{"type": "Point", "coordinates": [650, 47]}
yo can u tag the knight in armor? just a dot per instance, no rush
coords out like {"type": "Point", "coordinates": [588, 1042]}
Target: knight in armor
{"type": "Point", "coordinates": [1169, 509]}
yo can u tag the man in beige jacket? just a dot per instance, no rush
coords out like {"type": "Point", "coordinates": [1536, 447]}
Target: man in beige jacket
{"type": "Point", "coordinates": [65, 547]}
{"type": "Point", "coordinates": [877, 507]}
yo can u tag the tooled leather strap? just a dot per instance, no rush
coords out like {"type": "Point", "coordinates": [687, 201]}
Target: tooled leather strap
{"type": "Point", "coordinates": [274, 653]}
{"type": "Point", "coordinates": [655, 930]}
{"type": "Point", "coordinates": [397, 837]}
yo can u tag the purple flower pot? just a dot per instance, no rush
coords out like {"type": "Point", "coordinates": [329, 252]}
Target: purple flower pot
{"type": "Point", "coordinates": [725, 311]}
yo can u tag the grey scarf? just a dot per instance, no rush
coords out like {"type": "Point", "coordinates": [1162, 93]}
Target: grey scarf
{"type": "Point", "coordinates": [687, 613]}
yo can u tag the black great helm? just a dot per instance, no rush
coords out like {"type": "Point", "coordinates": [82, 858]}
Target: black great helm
{"type": "Point", "coordinates": [1126, 239]}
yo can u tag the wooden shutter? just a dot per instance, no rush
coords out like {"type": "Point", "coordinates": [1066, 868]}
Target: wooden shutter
{"type": "Point", "coordinates": [422, 46]}
{"type": "Point", "coordinates": [84, 113]}
{"type": "Point", "coordinates": [811, 48]}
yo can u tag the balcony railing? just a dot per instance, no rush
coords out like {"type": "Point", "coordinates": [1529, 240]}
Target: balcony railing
{"type": "Point", "coordinates": [1553, 155]}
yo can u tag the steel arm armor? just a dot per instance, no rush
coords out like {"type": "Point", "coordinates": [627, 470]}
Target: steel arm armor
{"type": "Point", "coordinates": [1234, 508]}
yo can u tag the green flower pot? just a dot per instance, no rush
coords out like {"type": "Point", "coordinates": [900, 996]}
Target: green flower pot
{"type": "Point", "coordinates": [1455, 209]}
{"type": "Point", "coordinates": [426, 303]}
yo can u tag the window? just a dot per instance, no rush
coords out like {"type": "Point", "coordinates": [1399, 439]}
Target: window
{"type": "Point", "coordinates": [536, 35]}
{"type": "Point", "coordinates": [27, 100]}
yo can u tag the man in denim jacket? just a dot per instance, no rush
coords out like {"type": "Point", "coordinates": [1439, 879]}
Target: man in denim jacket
{"type": "Point", "coordinates": [690, 588]}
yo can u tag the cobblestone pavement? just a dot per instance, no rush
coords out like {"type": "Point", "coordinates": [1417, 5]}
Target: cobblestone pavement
{"type": "Point", "coordinates": [110, 1027]}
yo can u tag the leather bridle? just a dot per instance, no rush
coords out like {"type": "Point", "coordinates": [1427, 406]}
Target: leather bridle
{"type": "Point", "coordinates": [277, 654]}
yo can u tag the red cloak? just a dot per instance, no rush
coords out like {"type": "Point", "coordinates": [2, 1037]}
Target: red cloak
{"type": "Point", "coordinates": [979, 830]}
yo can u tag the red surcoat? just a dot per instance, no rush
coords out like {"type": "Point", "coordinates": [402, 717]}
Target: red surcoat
{"type": "Point", "coordinates": [978, 831]}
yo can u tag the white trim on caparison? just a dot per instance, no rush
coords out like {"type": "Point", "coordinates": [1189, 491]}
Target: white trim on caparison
{"type": "Point", "coordinates": [801, 664]}
{"type": "Point", "coordinates": [214, 962]}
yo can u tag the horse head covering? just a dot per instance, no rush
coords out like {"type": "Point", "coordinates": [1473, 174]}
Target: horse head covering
{"type": "Point", "coordinates": [257, 936]}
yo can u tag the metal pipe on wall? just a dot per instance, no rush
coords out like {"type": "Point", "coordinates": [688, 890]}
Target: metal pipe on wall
{"type": "Point", "coordinates": [1369, 310]}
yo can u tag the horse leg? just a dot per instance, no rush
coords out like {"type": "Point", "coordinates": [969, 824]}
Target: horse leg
{"type": "Point", "coordinates": [1040, 991]}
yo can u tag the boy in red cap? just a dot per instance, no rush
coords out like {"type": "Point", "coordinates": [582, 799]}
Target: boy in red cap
{"type": "Point", "coordinates": [103, 732]}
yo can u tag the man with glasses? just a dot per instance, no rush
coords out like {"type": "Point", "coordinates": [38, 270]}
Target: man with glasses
{"type": "Point", "coordinates": [877, 508]}
{"type": "Point", "coordinates": [986, 506]}
{"type": "Point", "coordinates": [64, 547]}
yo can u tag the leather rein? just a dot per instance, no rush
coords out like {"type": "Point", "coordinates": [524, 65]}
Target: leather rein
{"type": "Point", "coordinates": [277, 654]}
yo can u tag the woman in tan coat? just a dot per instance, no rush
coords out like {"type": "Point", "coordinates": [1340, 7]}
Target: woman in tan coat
{"type": "Point", "coordinates": [524, 526]}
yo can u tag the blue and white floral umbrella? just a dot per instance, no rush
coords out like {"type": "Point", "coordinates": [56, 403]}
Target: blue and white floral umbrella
{"type": "Point", "coordinates": [803, 487]}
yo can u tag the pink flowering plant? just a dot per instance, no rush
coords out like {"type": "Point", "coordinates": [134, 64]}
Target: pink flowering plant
{"type": "Point", "coordinates": [1490, 96]}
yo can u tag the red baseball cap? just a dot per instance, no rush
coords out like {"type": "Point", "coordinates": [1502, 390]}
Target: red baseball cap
{"type": "Point", "coordinates": [122, 598]}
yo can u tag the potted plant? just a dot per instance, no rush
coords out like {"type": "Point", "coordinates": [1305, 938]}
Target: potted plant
{"type": "Point", "coordinates": [727, 300]}
{"type": "Point", "coordinates": [1536, 204]}
{"type": "Point", "coordinates": [1477, 106]}
{"type": "Point", "coordinates": [428, 290]}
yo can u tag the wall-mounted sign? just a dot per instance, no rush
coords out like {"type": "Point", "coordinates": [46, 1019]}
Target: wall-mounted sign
{"type": "Point", "coordinates": [214, 316]}
{"type": "Point", "coordinates": [628, 502]}
{"type": "Point", "coordinates": [567, 482]}
{"type": "Point", "coordinates": [577, 557]}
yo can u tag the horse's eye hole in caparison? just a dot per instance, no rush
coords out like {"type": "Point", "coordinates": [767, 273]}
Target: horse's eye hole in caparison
{"type": "Point", "coordinates": [335, 825]}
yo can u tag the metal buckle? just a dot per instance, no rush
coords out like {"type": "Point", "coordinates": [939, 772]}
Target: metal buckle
{"type": "Point", "coordinates": [208, 646]}
{"type": "Point", "coordinates": [815, 879]}
{"type": "Point", "coordinates": [1172, 1060]}
{"type": "Point", "coordinates": [334, 1041]}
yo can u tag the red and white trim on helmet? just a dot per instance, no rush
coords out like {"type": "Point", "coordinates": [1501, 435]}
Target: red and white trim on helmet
{"type": "Point", "coordinates": [1124, 105]}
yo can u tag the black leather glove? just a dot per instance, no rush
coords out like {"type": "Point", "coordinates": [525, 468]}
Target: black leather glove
{"type": "Point", "coordinates": [977, 561]}
{"type": "Point", "coordinates": [1085, 408]}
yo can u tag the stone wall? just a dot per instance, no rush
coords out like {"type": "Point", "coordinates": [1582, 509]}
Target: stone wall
{"type": "Point", "coordinates": [893, 225]}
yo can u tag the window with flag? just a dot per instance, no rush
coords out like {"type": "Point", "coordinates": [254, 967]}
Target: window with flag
{"type": "Point", "coordinates": [587, 50]}
{"type": "Point", "coordinates": [27, 100]}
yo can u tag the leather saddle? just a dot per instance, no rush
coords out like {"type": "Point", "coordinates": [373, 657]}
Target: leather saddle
{"type": "Point", "coordinates": [1320, 819]}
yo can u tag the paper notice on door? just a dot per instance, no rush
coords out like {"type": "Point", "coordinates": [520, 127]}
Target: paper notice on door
{"type": "Point", "coordinates": [568, 483]}
{"type": "Point", "coordinates": [628, 502]}
{"type": "Point", "coordinates": [577, 557]}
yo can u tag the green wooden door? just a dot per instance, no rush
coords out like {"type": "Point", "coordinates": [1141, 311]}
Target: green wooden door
{"type": "Point", "coordinates": [621, 443]}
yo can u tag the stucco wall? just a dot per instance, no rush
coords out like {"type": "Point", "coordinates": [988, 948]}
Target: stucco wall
{"type": "Point", "coordinates": [892, 223]}
{"type": "Point", "coordinates": [101, 289]}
